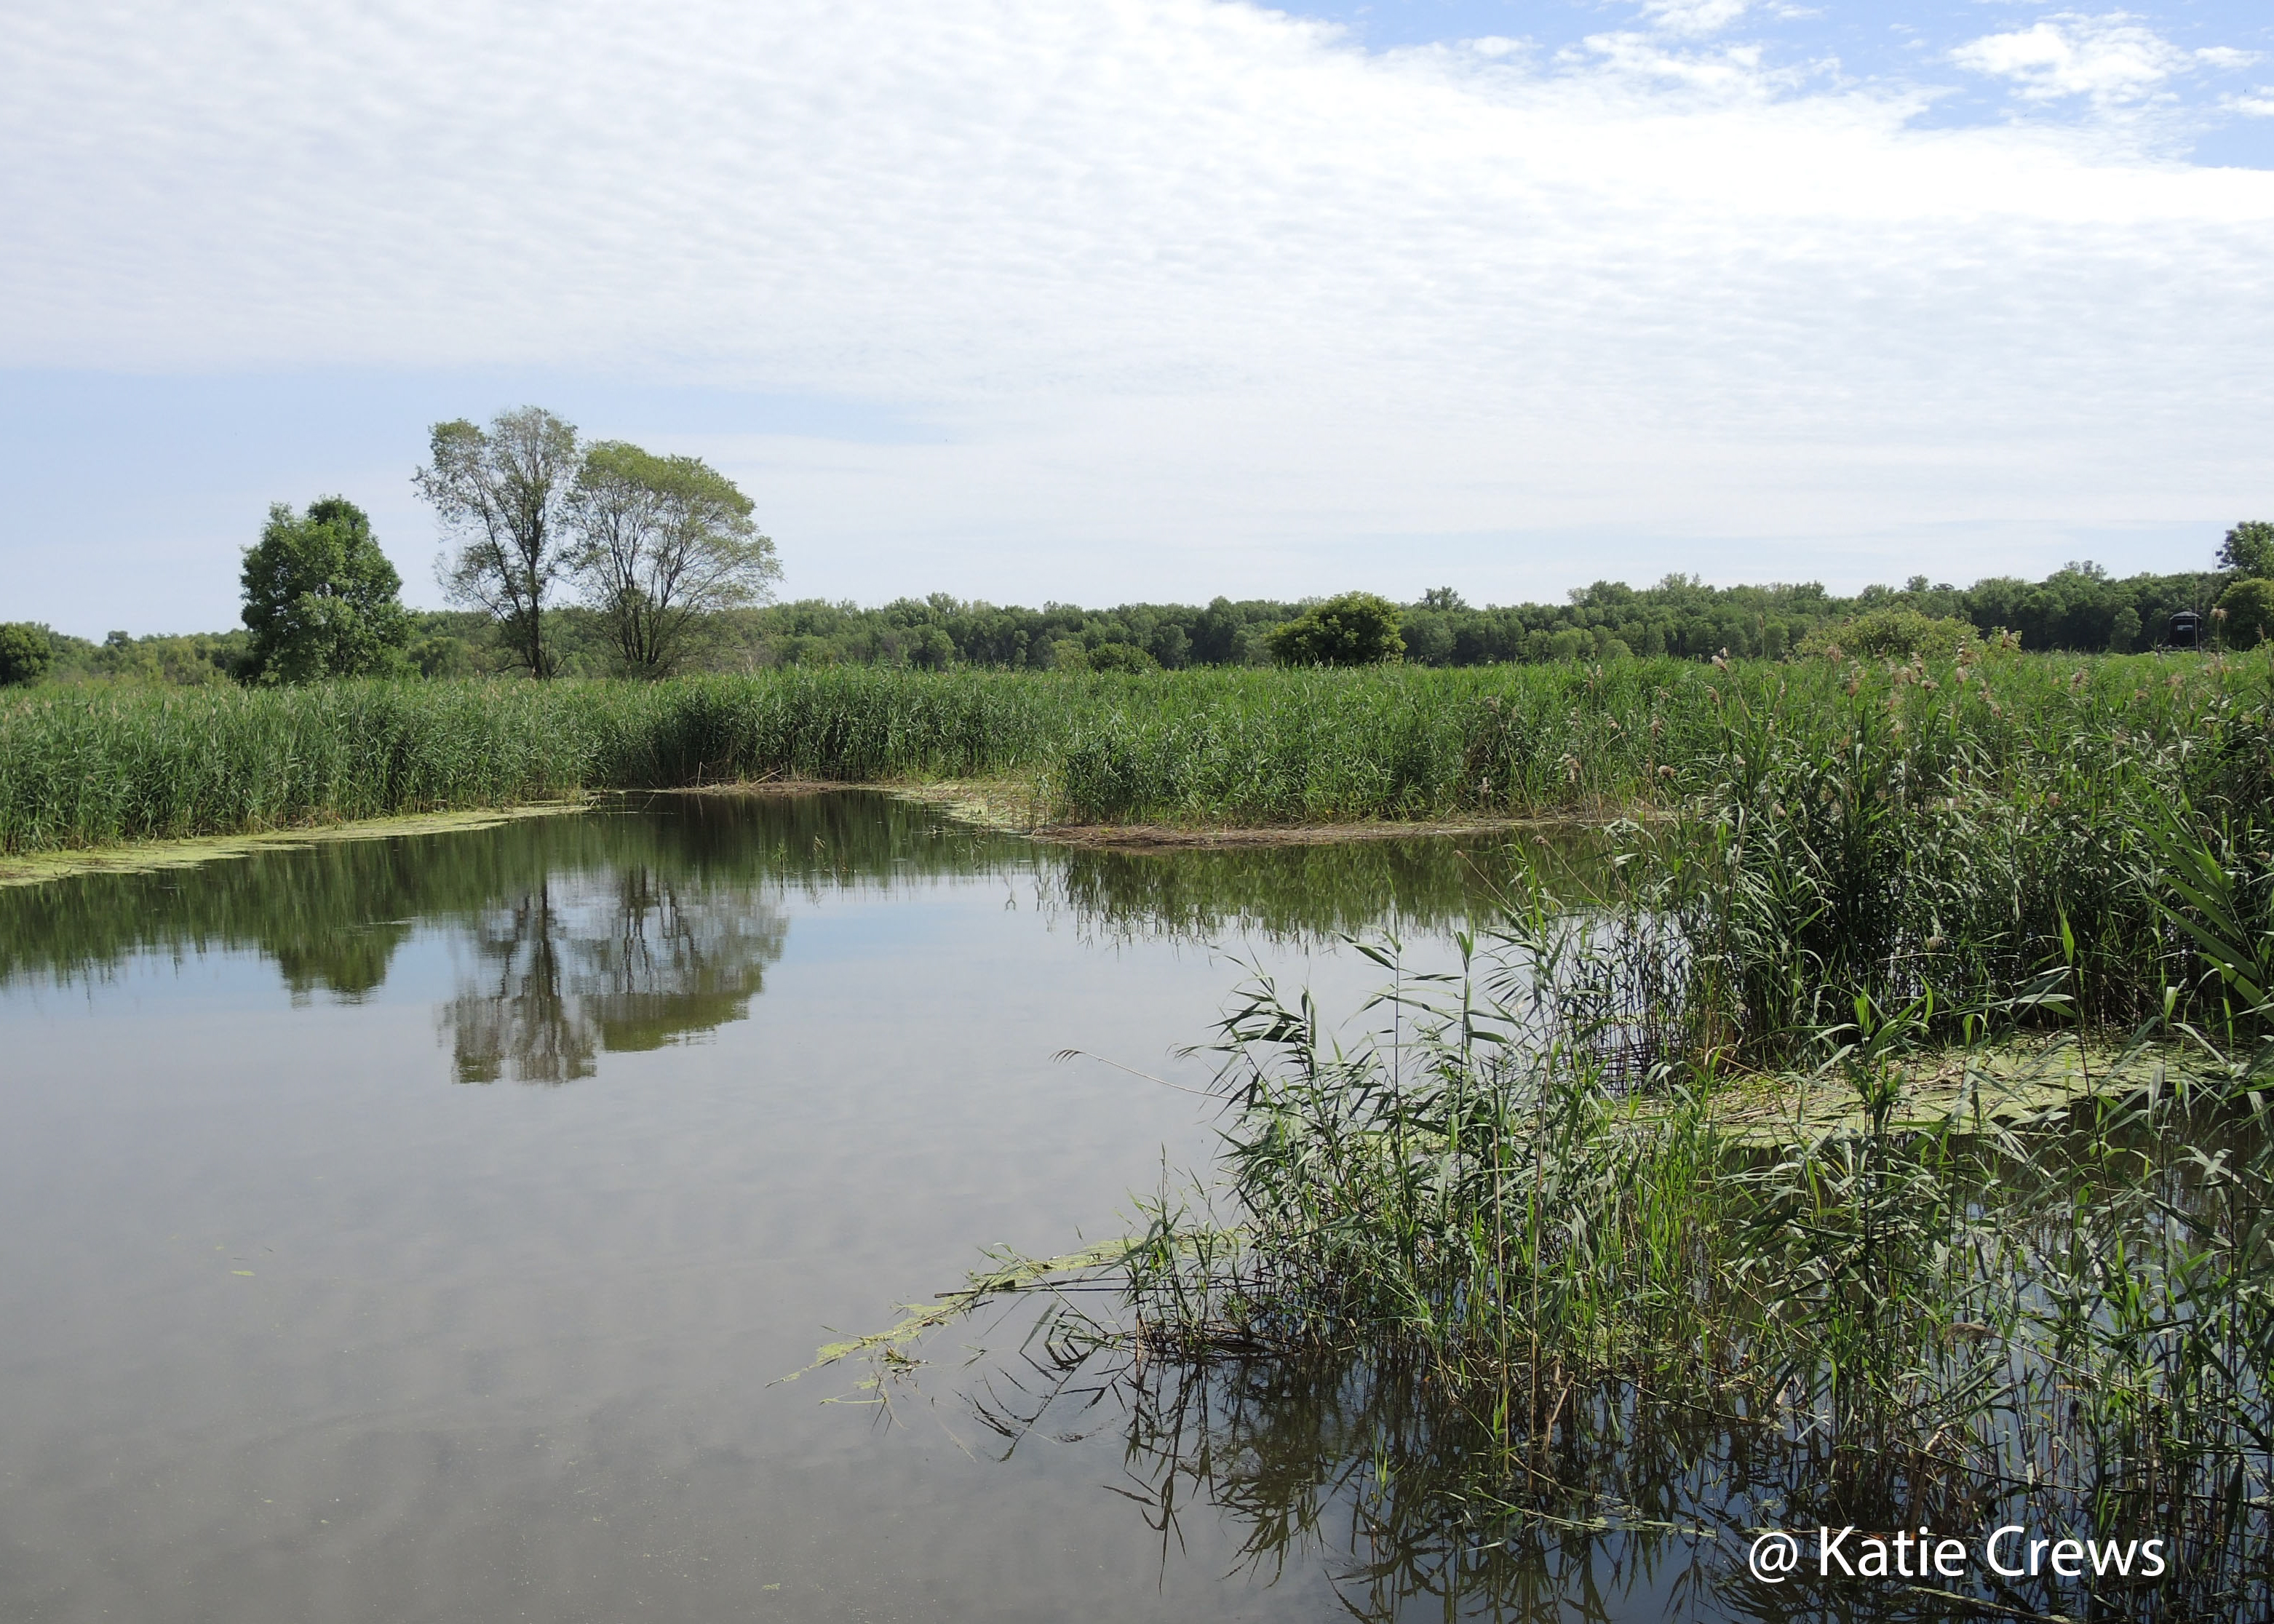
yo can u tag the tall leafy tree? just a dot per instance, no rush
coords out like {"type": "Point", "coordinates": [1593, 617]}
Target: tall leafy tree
{"type": "Point", "coordinates": [320, 598]}
{"type": "Point", "coordinates": [503, 494]}
{"type": "Point", "coordinates": [2250, 549]}
{"type": "Point", "coordinates": [661, 541]}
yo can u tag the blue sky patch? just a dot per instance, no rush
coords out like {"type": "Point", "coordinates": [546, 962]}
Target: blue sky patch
{"type": "Point", "coordinates": [2196, 77]}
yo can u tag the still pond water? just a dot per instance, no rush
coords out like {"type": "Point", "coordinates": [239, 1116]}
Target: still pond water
{"type": "Point", "coordinates": [417, 1228]}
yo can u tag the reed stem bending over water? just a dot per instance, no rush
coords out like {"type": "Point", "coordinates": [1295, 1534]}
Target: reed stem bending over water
{"type": "Point", "coordinates": [1763, 1153]}
{"type": "Point", "coordinates": [1992, 1308]}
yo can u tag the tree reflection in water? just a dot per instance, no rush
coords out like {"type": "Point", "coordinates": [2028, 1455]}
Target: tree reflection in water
{"type": "Point", "coordinates": [647, 921]}
{"type": "Point", "coordinates": [575, 965]}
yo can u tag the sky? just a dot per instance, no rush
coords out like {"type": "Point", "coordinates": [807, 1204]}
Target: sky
{"type": "Point", "coordinates": [1106, 300]}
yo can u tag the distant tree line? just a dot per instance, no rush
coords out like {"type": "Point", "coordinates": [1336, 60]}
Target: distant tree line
{"type": "Point", "coordinates": [670, 574]}
{"type": "Point", "coordinates": [2079, 608]}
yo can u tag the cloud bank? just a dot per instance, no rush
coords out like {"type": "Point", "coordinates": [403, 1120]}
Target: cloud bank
{"type": "Point", "coordinates": [1190, 296]}
{"type": "Point", "coordinates": [2113, 59]}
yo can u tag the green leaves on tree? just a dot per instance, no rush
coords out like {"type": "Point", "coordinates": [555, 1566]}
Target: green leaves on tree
{"type": "Point", "coordinates": [1357, 629]}
{"type": "Point", "coordinates": [25, 650]}
{"type": "Point", "coordinates": [502, 493]}
{"type": "Point", "coordinates": [2247, 614]}
{"type": "Point", "coordinates": [655, 543]}
{"type": "Point", "coordinates": [2249, 549]}
{"type": "Point", "coordinates": [658, 542]}
{"type": "Point", "coordinates": [320, 598]}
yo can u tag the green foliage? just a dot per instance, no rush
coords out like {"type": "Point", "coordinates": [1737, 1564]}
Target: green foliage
{"type": "Point", "coordinates": [930, 649]}
{"type": "Point", "coordinates": [1125, 656]}
{"type": "Point", "coordinates": [2060, 1311]}
{"type": "Point", "coordinates": [26, 650]}
{"type": "Point", "coordinates": [82, 765]}
{"type": "Point", "coordinates": [1428, 636]}
{"type": "Point", "coordinates": [442, 654]}
{"type": "Point", "coordinates": [661, 542]}
{"type": "Point", "coordinates": [2247, 613]}
{"type": "Point", "coordinates": [1857, 829]}
{"type": "Point", "coordinates": [1967, 830]}
{"type": "Point", "coordinates": [2124, 630]}
{"type": "Point", "coordinates": [320, 599]}
{"type": "Point", "coordinates": [1357, 629]}
{"type": "Point", "coordinates": [200, 660]}
{"type": "Point", "coordinates": [504, 494]}
{"type": "Point", "coordinates": [1890, 633]}
{"type": "Point", "coordinates": [2080, 608]}
{"type": "Point", "coordinates": [2249, 549]}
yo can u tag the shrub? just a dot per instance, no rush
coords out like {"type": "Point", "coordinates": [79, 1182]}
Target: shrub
{"type": "Point", "coordinates": [1357, 629]}
{"type": "Point", "coordinates": [1121, 656]}
{"type": "Point", "coordinates": [1891, 633]}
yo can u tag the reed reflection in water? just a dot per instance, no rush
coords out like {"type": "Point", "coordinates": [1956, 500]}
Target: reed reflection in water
{"type": "Point", "coordinates": [652, 919]}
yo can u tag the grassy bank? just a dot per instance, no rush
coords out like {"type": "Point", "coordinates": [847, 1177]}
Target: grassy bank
{"type": "Point", "coordinates": [1235, 746]}
{"type": "Point", "coordinates": [1832, 829]}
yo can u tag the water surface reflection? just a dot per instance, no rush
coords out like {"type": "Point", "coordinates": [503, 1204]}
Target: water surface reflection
{"type": "Point", "coordinates": [653, 921]}
{"type": "Point", "coordinates": [301, 1330]}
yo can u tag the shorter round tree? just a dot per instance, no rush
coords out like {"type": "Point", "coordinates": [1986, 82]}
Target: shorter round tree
{"type": "Point", "coordinates": [320, 598]}
{"type": "Point", "coordinates": [2249, 613]}
{"type": "Point", "coordinates": [25, 650]}
{"type": "Point", "coordinates": [1357, 629]}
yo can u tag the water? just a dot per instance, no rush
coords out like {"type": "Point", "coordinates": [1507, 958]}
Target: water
{"type": "Point", "coordinates": [417, 1228]}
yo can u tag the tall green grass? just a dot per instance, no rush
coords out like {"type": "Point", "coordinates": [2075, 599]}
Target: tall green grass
{"type": "Point", "coordinates": [2000, 828]}
{"type": "Point", "coordinates": [2048, 735]}
{"type": "Point", "coordinates": [88, 768]}
{"type": "Point", "coordinates": [2056, 1316]}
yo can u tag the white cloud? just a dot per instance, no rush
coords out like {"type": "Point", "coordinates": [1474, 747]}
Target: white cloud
{"type": "Point", "coordinates": [2110, 59]}
{"type": "Point", "coordinates": [1693, 17]}
{"type": "Point", "coordinates": [1653, 64]}
{"type": "Point", "coordinates": [1197, 299]}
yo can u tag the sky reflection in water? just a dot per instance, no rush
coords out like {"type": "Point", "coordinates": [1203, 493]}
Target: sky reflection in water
{"type": "Point", "coordinates": [308, 1323]}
